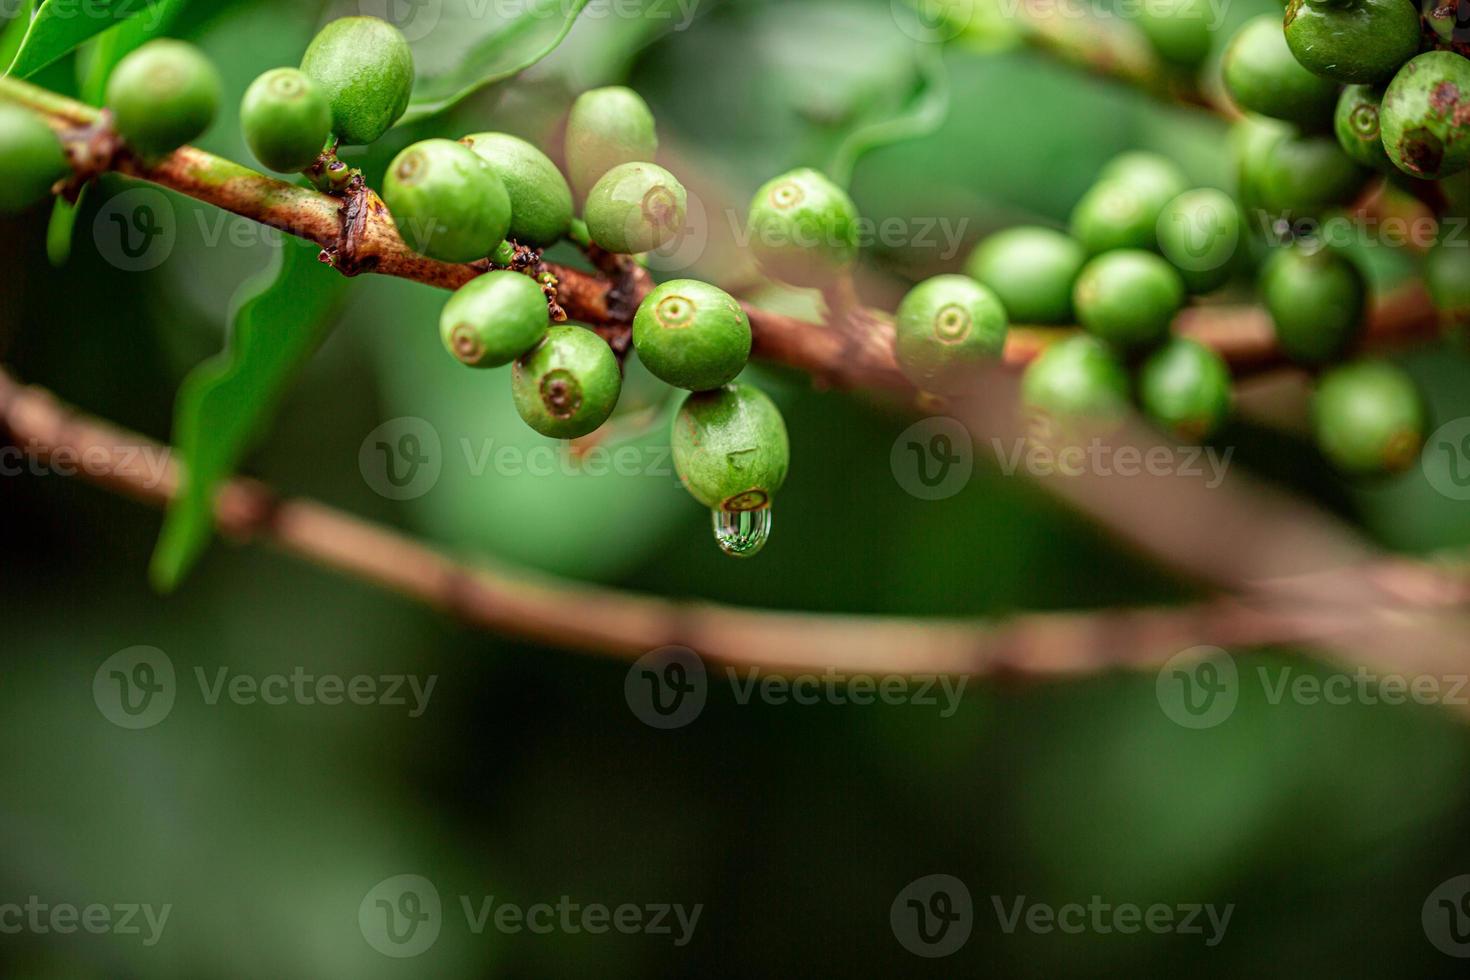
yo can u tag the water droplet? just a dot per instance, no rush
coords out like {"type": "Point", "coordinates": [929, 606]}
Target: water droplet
{"type": "Point", "coordinates": [742, 534]}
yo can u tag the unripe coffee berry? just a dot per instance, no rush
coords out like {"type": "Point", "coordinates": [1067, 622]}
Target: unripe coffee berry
{"type": "Point", "coordinates": [286, 119]}
{"type": "Point", "coordinates": [1077, 381]}
{"type": "Point", "coordinates": [1447, 275]}
{"type": "Point", "coordinates": [1306, 175]}
{"type": "Point", "coordinates": [1156, 176]}
{"type": "Point", "coordinates": [1426, 116]}
{"type": "Point", "coordinates": [447, 202]}
{"type": "Point", "coordinates": [1359, 42]}
{"type": "Point", "coordinates": [494, 319]}
{"type": "Point", "coordinates": [692, 335]}
{"type": "Point", "coordinates": [803, 229]}
{"type": "Point", "coordinates": [1262, 75]}
{"type": "Point", "coordinates": [540, 200]}
{"type": "Point", "coordinates": [1251, 140]}
{"type": "Point", "coordinates": [607, 127]}
{"type": "Point", "coordinates": [163, 95]}
{"type": "Point", "coordinates": [1032, 272]}
{"type": "Point", "coordinates": [1200, 233]}
{"type": "Point", "coordinates": [365, 67]}
{"type": "Point", "coordinates": [635, 207]}
{"type": "Point", "coordinates": [1178, 30]}
{"type": "Point", "coordinates": [567, 387]}
{"type": "Point", "coordinates": [1184, 386]}
{"type": "Point", "coordinates": [1316, 299]}
{"type": "Point", "coordinates": [1122, 209]}
{"type": "Point", "coordinates": [1360, 128]}
{"type": "Point", "coordinates": [1129, 298]}
{"type": "Point", "coordinates": [731, 449]}
{"type": "Point", "coordinates": [1369, 418]}
{"type": "Point", "coordinates": [944, 327]}
{"type": "Point", "coordinates": [31, 159]}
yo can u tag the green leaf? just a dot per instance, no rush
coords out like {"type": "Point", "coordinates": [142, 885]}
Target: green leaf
{"type": "Point", "coordinates": [60, 26]}
{"type": "Point", "coordinates": [226, 404]}
{"type": "Point", "coordinates": [469, 45]}
{"type": "Point", "coordinates": [59, 231]}
{"type": "Point", "coordinates": [15, 32]}
{"type": "Point", "coordinates": [922, 115]}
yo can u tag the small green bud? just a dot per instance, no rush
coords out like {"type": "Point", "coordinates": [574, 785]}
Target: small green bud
{"type": "Point", "coordinates": [447, 202]}
{"type": "Point", "coordinates": [540, 200]}
{"type": "Point", "coordinates": [286, 120]}
{"type": "Point", "coordinates": [1185, 387]}
{"type": "Point", "coordinates": [1077, 380]}
{"type": "Point", "coordinates": [163, 95]}
{"type": "Point", "coordinates": [1359, 43]}
{"type": "Point", "coordinates": [1316, 299]}
{"type": "Point", "coordinates": [569, 386]}
{"type": "Point", "coordinates": [1360, 128]}
{"type": "Point", "coordinates": [1426, 116]}
{"type": "Point", "coordinates": [1369, 418]}
{"type": "Point", "coordinates": [944, 327]}
{"type": "Point", "coordinates": [1262, 75]}
{"type": "Point", "coordinates": [607, 128]}
{"type": "Point", "coordinates": [731, 449]}
{"type": "Point", "coordinates": [803, 229]}
{"type": "Point", "coordinates": [635, 207]}
{"type": "Point", "coordinates": [1129, 298]}
{"type": "Point", "coordinates": [1032, 272]}
{"type": "Point", "coordinates": [365, 66]}
{"type": "Point", "coordinates": [494, 319]}
{"type": "Point", "coordinates": [31, 159]}
{"type": "Point", "coordinates": [692, 335]}
{"type": "Point", "coordinates": [1200, 233]}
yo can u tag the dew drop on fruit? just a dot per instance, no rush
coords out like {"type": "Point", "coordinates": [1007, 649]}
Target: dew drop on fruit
{"type": "Point", "coordinates": [744, 533]}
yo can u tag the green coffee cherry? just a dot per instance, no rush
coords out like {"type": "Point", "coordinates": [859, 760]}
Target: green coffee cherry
{"type": "Point", "coordinates": [803, 229]}
{"type": "Point", "coordinates": [1157, 177]}
{"type": "Point", "coordinates": [1369, 418]}
{"type": "Point", "coordinates": [1359, 42]}
{"type": "Point", "coordinates": [1262, 75]}
{"type": "Point", "coordinates": [635, 207]}
{"type": "Point", "coordinates": [1077, 380]}
{"type": "Point", "coordinates": [494, 319]}
{"type": "Point", "coordinates": [365, 67]}
{"type": "Point", "coordinates": [1032, 272]}
{"type": "Point", "coordinates": [1251, 140]}
{"type": "Point", "coordinates": [1185, 387]}
{"type": "Point", "coordinates": [692, 335]}
{"type": "Point", "coordinates": [1306, 175]}
{"type": "Point", "coordinates": [1447, 275]}
{"type": "Point", "coordinates": [1316, 299]}
{"type": "Point", "coordinates": [1129, 298]}
{"type": "Point", "coordinates": [163, 95]}
{"type": "Point", "coordinates": [944, 327]}
{"type": "Point", "coordinates": [286, 120]}
{"type": "Point", "coordinates": [1122, 209]}
{"type": "Point", "coordinates": [1200, 233]}
{"type": "Point", "coordinates": [1426, 116]}
{"type": "Point", "coordinates": [731, 450]}
{"type": "Point", "coordinates": [567, 387]}
{"type": "Point", "coordinates": [31, 159]}
{"type": "Point", "coordinates": [447, 202]}
{"type": "Point", "coordinates": [1178, 30]}
{"type": "Point", "coordinates": [1359, 127]}
{"type": "Point", "coordinates": [607, 128]}
{"type": "Point", "coordinates": [540, 200]}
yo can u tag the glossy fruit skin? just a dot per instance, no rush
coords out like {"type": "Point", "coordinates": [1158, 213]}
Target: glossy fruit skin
{"type": "Point", "coordinates": [1262, 75]}
{"type": "Point", "coordinates": [1129, 298]}
{"type": "Point", "coordinates": [607, 127]}
{"type": "Point", "coordinates": [568, 386]}
{"type": "Point", "coordinates": [1426, 116]}
{"type": "Point", "coordinates": [1122, 209]}
{"type": "Point", "coordinates": [447, 202]}
{"type": "Point", "coordinates": [692, 335]}
{"type": "Point", "coordinates": [1369, 418]}
{"type": "Point", "coordinates": [540, 200]}
{"type": "Point", "coordinates": [31, 159]}
{"type": "Point", "coordinates": [1251, 140]}
{"type": "Point", "coordinates": [365, 67]}
{"type": "Point", "coordinates": [163, 95]}
{"type": "Point", "coordinates": [286, 119]}
{"type": "Point", "coordinates": [731, 449]}
{"type": "Point", "coordinates": [1184, 386]}
{"type": "Point", "coordinates": [1317, 300]}
{"type": "Point", "coordinates": [1447, 274]}
{"type": "Point", "coordinates": [1359, 127]}
{"type": "Point", "coordinates": [944, 327]}
{"type": "Point", "coordinates": [494, 319]}
{"type": "Point", "coordinates": [1307, 175]}
{"type": "Point", "coordinates": [803, 229]}
{"type": "Point", "coordinates": [1178, 30]}
{"type": "Point", "coordinates": [1077, 380]}
{"type": "Point", "coordinates": [636, 207]}
{"type": "Point", "coordinates": [1357, 42]}
{"type": "Point", "coordinates": [1032, 271]}
{"type": "Point", "coordinates": [1200, 233]}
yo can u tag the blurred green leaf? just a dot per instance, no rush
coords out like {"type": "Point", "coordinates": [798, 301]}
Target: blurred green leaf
{"type": "Point", "coordinates": [922, 116]}
{"type": "Point", "coordinates": [15, 32]}
{"type": "Point", "coordinates": [58, 27]}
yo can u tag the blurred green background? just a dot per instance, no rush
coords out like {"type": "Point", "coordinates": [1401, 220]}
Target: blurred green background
{"type": "Point", "coordinates": [528, 777]}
